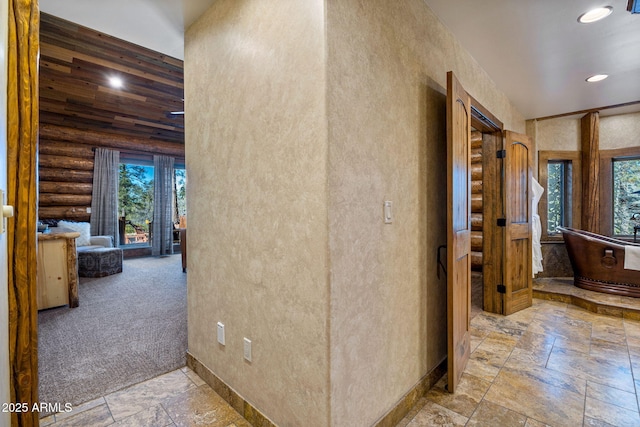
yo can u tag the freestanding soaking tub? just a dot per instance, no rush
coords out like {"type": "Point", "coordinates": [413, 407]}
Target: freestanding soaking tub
{"type": "Point", "coordinates": [598, 263]}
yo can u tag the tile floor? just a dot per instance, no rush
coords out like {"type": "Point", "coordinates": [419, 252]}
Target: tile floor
{"type": "Point", "coordinates": [179, 398]}
{"type": "Point", "coordinates": [552, 364]}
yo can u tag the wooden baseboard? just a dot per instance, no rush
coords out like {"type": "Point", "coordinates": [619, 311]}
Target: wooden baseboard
{"type": "Point", "coordinates": [409, 400]}
{"type": "Point", "coordinates": [256, 418]}
{"type": "Point", "coordinates": [244, 408]}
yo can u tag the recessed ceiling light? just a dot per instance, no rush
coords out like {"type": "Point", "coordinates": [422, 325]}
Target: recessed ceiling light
{"type": "Point", "coordinates": [597, 78]}
{"type": "Point", "coordinates": [595, 14]}
{"type": "Point", "coordinates": [115, 82]}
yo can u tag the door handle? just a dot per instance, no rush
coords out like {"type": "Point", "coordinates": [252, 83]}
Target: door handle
{"type": "Point", "coordinates": [440, 264]}
{"type": "Point", "coordinates": [7, 212]}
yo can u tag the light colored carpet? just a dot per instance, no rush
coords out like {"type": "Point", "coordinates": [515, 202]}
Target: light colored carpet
{"type": "Point", "coordinates": [128, 328]}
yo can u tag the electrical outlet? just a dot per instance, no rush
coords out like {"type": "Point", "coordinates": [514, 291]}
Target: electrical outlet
{"type": "Point", "coordinates": [247, 349]}
{"type": "Point", "coordinates": [221, 333]}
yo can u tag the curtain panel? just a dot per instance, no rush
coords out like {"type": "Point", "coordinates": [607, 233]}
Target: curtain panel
{"type": "Point", "coordinates": [104, 201]}
{"type": "Point", "coordinates": [162, 234]}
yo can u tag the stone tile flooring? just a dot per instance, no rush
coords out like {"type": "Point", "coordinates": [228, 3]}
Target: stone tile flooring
{"type": "Point", "coordinates": [552, 364]}
{"type": "Point", "coordinates": [179, 398]}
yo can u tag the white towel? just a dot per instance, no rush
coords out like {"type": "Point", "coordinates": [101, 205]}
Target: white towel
{"type": "Point", "coordinates": [632, 257]}
{"type": "Point", "coordinates": [536, 249]}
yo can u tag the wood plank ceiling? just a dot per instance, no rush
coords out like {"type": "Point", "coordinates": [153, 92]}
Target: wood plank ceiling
{"type": "Point", "coordinates": [75, 66]}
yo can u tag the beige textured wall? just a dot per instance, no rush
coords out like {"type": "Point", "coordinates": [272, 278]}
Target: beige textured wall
{"type": "Point", "coordinates": [620, 131]}
{"type": "Point", "coordinates": [387, 64]}
{"type": "Point", "coordinates": [292, 148]}
{"type": "Point", "coordinates": [617, 131]}
{"type": "Point", "coordinates": [256, 155]}
{"type": "Point", "coordinates": [558, 134]}
{"type": "Point", "coordinates": [5, 394]}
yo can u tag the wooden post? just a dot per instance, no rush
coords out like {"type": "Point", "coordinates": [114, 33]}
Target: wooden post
{"type": "Point", "coordinates": [22, 148]}
{"type": "Point", "coordinates": [590, 126]}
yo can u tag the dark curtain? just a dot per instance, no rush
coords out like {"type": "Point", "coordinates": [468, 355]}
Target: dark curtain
{"type": "Point", "coordinates": [162, 236]}
{"type": "Point", "coordinates": [104, 200]}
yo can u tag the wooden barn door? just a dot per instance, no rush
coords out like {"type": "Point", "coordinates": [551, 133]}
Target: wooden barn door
{"type": "Point", "coordinates": [517, 237]}
{"type": "Point", "coordinates": [458, 229]}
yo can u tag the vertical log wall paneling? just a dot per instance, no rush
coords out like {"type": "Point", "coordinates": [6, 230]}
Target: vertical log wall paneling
{"type": "Point", "coordinates": [22, 119]}
{"type": "Point", "coordinates": [590, 136]}
{"type": "Point", "coordinates": [80, 111]}
{"type": "Point", "coordinates": [476, 201]}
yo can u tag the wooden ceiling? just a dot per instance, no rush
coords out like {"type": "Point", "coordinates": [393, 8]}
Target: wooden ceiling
{"type": "Point", "coordinates": [75, 65]}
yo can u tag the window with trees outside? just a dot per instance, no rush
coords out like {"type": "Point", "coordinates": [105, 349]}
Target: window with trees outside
{"type": "Point", "coordinates": [135, 202]}
{"type": "Point", "coordinates": [626, 195]}
{"type": "Point", "coordinates": [559, 203]}
{"type": "Point", "coordinates": [559, 172]}
{"type": "Point", "coordinates": [180, 196]}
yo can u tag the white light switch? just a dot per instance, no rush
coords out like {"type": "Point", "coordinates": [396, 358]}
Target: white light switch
{"type": "Point", "coordinates": [387, 212]}
{"type": "Point", "coordinates": [247, 349]}
{"type": "Point", "coordinates": [221, 333]}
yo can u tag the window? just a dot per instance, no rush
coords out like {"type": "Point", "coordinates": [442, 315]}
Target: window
{"type": "Point", "coordinates": [180, 195]}
{"type": "Point", "coordinates": [619, 180]}
{"type": "Point", "coordinates": [559, 203]}
{"type": "Point", "coordinates": [135, 202]}
{"type": "Point", "coordinates": [626, 194]}
{"type": "Point", "coordinates": [559, 174]}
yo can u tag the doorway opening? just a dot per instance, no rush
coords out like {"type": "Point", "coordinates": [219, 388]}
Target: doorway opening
{"type": "Point", "coordinates": [486, 195]}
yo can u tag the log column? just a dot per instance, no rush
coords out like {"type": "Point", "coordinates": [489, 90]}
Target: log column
{"type": "Point", "coordinates": [22, 147]}
{"type": "Point", "coordinates": [590, 138]}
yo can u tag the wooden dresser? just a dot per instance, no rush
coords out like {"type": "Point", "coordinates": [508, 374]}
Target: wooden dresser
{"type": "Point", "coordinates": [57, 282]}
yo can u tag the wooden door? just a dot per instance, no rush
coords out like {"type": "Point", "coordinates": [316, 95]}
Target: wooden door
{"type": "Point", "coordinates": [458, 229]}
{"type": "Point", "coordinates": [517, 203]}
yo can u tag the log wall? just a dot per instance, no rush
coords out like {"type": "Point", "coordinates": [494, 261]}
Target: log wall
{"type": "Point", "coordinates": [65, 182]}
{"type": "Point", "coordinates": [66, 167]}
{"type": "Point", "coordinates": [476, 201]}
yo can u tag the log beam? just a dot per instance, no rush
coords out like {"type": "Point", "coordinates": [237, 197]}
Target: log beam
{"type": "Point", "coordinates": [108, 140]}
{"type": "Point", "coordinates": [476, 221]}
{"type": "Point", "coordinates": [476, 187]}
{"type": "Point", "coordinates": [61, 175]}
{"type": "Point", "coordinates": [476, 203]}
{"type": "Point", "coordinates": [476, 172]}
{"type": "Point", "coordinates": [590, 141]}
{"type": "Point", "coordinates": [54, 199]}
{"type": "Point", "coordinates": [83, 188]}
{"type": "Point", "coordinates": [74, 213]}
{"type": "Point", "coordinates": [476, 261]}
{"type": "Point", "coordinates": [58, 148]}
{"type": "Point", "coordinates": [64, 162]}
